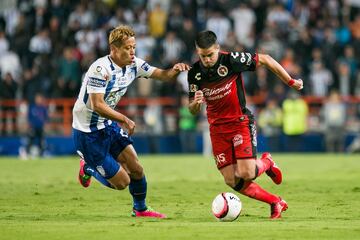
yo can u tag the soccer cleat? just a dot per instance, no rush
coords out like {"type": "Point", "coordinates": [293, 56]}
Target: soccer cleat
{"type": "Point", "coordinates": [274, 171]}
{"type": "Point", "coordinates": [84, 179]}
{"type": "Point", "coordinates": [277, 208]}
{"type": "Point", "coordinates": [149, 212]}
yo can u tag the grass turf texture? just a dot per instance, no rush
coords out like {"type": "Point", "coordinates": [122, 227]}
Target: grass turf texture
{"type": "Point", "coordinates": [41, 199]}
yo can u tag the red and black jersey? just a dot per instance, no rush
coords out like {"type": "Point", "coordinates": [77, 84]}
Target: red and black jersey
{"type": "Point", "coordinates": [222, 85]}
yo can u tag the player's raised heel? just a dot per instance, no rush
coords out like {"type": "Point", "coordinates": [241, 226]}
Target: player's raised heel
{"type": "Point", "coordinates": [278, 208]}
{"type": "Point", "coordinates": [83, 178]}
{"type": "Point", "coordinates": [274, 171]}
{"type": "Point", "coordinates": [149, 212]}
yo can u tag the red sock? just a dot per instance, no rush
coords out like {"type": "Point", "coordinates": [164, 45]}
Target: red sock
{"type": "Point", "coordinates": [262, 164]}
{"type": "Point", "coordinates": [251, 189]}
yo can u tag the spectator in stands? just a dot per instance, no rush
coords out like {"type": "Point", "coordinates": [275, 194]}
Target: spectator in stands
{"type": "Point", "coordinates": [172, 48]}
{"type": "Point", "coordinates": [344, 78]}
{"type": "Point", "coordinates": [334, 115]}
{"type": "Point", "coordinates": [176, 18]}
{"type": "Point", "coordinates": [220, 25]}
{"type": "Point", "coordinates": [69, 72]}
{"type": "Point", "coordinates": [157, 21]}
{"type": "Point", "coordinates": [244, 21]}
{"type": "Point", "coordinates": [187, 35]}
{"type": "Point", "coordinates": [271, 45]}
{"type": "Point", "coordinates": [352, 65]}
{"type": "Point", "coordinates": [31, 85]}
{"type": "Point", "coordinates": [279, 18]}
{"type": "Point", "coordinates": [10, 63]}
{"type": "Point", "coordinates": [270, 123]}
{"type": "Point", "coordinates": [295, 114]}
{"type": "Point", "coordinates": [4, 43]}
{"type": "Point", "coordinates": [187, 126]}
{"type": "Point", "coordinates": [8, 91]}
{"type": "Point", "coordinates": [288, 62]}
{"type": "Point", "coordinates": [321, 80]}
{"type": "Point", "coordinates": [80, 18]}
{"type": "Point", "coordinates": [37, 117]}
{"type": "Point", "coordinates": [40, 45]}
{"type": "Point", "coordinates": [56, 36]}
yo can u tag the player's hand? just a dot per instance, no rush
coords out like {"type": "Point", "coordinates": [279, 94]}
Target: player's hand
{"type": "Point", "coordinates": [181, 67]}
{"type": "Point", "coordinates": [199, 97]}
{"type": "Point", "coordinates": [298, 84]}
{"type": "Point", "coordinates": [129, 125]}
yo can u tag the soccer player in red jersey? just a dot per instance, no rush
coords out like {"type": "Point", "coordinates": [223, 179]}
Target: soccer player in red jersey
{"type": "Point", "coordinates": [216, 80]}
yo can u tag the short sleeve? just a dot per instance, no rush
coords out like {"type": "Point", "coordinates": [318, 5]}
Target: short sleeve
{"type": "Point", "coordinates": [98, 78]}
{"type": "Point", "coordinates": [243, 61]}
{"type": "Point", "coordinates": [143, 68]}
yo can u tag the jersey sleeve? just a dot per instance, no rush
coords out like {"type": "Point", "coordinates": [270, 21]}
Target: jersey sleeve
{"type": "Point", "coordinates": [193, 81]}
{"type": "Point", "coordinates": [98, 78]}
{"type": "Point", "coordinates": [143, 69]}
{"type": "Point", "coordinates": [243, 61]}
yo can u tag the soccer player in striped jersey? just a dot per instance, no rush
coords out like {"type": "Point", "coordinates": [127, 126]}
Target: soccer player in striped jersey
{"type": "Point", "coordinates": [105, 148]}
{"type": "Point", "coordinates": [216, 79]}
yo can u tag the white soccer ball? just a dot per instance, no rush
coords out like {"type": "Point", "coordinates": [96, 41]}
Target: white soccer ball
{"type": "Point", "coordinates": [226, 207]}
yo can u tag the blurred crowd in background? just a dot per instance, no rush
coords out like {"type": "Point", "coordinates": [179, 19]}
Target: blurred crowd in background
{"type": "Point", "coordinates": [47, 45]}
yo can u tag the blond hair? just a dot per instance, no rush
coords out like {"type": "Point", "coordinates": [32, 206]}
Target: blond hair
{"type": "Point", "coordinates": [120, 34]}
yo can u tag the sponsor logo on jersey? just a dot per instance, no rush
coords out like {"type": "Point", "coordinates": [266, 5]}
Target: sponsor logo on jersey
{"type": "Point", "coordinates": [237, 140]}
{"type": "Point", "coordinates": [97, 82]}
{"type": "Point", "coordinates": [193, 88]}
{"type": "Point", "coordinates": [222, 70]}
{"type": "Point", "coordinates": [198, 76]}
{"type": "Point", "coordinates": [145, 66]}
{"type": "Point", "coordinates": [214, 91]}
{"type": "Point", "coordinates": [217, 93]}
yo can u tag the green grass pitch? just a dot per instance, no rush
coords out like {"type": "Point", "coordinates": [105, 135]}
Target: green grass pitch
{"type": "Point", "coordinates": [41, 199]}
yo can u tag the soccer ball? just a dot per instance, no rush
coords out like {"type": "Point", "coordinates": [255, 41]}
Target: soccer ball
{"type": "Point", "coordinates": [226, 207]}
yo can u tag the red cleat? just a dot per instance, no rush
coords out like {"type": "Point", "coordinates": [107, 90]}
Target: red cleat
{"type": "Point", "coordinates": [84, 179]}
{"type": "Point", "coordinates": [149, 212]}
{"type": "Point", "coordinates": [274, 171]}
{"type": "Point", "coordinates": [278, 208]}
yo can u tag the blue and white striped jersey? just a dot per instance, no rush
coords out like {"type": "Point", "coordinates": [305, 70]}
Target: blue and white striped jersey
{"type": "Point", "coordinates": [104, 76]}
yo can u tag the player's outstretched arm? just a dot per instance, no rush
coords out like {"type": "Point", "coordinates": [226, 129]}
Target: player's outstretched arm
{"type": "Point", "coordinates": [170, 75]}
{"type": "Point", "coordinates": [99, 106]}
{"type": "Point", "coordinates": [275, 67]}
{"type": "Point", "coordinates": [195, 104]}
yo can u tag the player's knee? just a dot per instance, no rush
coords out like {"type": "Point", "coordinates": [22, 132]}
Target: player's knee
{"type": "Point", "coordinates": [122, 184]}
{"type": "Point", "coordinates": [247, 175]}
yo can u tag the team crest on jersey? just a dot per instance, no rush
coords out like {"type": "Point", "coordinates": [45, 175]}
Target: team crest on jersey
{"type": "Point", "coordinates": [193, 88]}
{"type": "Point", "coordinates": [98, 68]}
{"type": "Point", "coordinates": [238, 140]}
{"type": "Point", "coordinates": [222, 70]}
